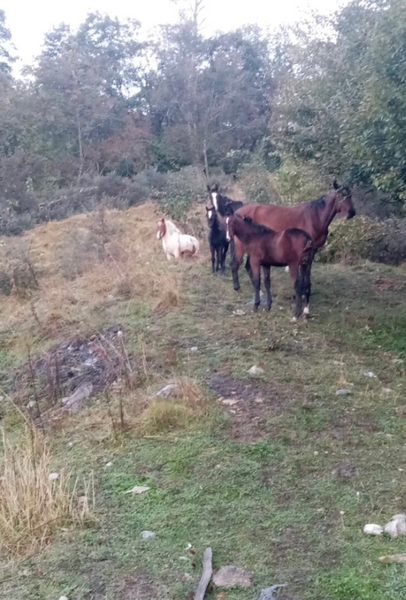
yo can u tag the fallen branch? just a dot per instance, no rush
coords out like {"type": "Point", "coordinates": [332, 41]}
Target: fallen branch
{"type": "Point", "coordinates": [207, 572]}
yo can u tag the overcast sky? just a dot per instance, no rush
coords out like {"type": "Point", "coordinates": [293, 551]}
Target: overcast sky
{"type": "Point", "coordinates": [29, 20]}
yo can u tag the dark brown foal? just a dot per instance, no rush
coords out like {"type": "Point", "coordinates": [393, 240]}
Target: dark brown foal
{"type": "Point", "coordinates": [266, 248]}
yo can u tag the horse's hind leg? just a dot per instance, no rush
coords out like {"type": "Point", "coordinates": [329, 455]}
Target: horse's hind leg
{"type": "Point", "coordinates": [297, 278]}
{"type": "Point", "coordinates": [256, 281]}
{"type": "Point", "coordinates": [267, 283]}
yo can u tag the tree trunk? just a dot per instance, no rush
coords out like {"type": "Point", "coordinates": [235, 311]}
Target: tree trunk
{"type": "Point", "coordinates": [206, 164]}
{"type": "Point", "coordinates": [80, 144]}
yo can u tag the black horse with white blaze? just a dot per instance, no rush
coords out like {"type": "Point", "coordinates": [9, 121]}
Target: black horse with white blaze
{"type": "Point", "coordinates": [223, 205]}
{"type": "Point", "coordinates": [217, 240]}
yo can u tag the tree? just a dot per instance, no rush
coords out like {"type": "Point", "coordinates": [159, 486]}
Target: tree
{"type": "Point", "coordinates": [81, 88]}
{"type": "Point", "coordinates": [342, 100]}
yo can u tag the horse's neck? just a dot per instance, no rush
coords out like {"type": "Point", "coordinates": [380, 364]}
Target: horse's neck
{"type": "Point", "coordinates": [216, 225]}
{"type": "Point", "coordinates": [327, 213]}
{"type": "Point", "coordinates": [171, 229]}
{"type": "Point", "coordinates": [246, 235]}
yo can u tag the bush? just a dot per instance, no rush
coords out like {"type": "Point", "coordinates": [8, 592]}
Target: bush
{"type": "Point", "coordinates": [255, 181]}
{"type": "Point", "coordinates": [182, 189]}
{"type": "Point", "coordinates": [365, 238]}
{"type": "Point", "coordinates": [296, 182]}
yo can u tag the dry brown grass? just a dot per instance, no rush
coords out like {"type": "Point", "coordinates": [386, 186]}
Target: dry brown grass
{"type": "Point", "coordinates": [33, 507]}
{"type": "Point", "coordinates": [87, 262]}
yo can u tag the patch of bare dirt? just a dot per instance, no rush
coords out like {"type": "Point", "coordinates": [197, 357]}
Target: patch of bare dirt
{"type": "Point", "coordinates": [385, 284]}
{"type": "Point", "coordinates": [250, 403]}
{"type": "Point", "coordinates": [139, 587]}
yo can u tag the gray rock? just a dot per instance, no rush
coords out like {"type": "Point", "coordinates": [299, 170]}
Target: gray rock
{"type": "Point", "coordinates": [255, 370]}
{"type": "Point", "coordinates": [229, 577]}
{"type": "Point", "coordinates": [75, 401]}
{"type": "Point", "coordinates": [194, 349]}
{"type": "Point", "coordinates": [268, 593]}
{"type": "Point", "coordinates": [343, 392]}
{"type": "Point", "coordinates": [147, 535]}
{"type": "Point", "coordinates": [169, 391]}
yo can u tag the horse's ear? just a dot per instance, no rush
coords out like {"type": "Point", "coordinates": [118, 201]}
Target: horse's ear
{"type": "Point", "coordinates": [335, 185]}
{"type": "Point", "coordinates": [215, 188]}
{"type": "Point", "coordinates": [208, 188]}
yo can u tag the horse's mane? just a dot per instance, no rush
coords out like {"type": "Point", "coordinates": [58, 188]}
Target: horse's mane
{"type": "Point", "coordinates": [319, 203]}
{"type": "Point", "coordinates": [170, 227]}
{"type": "Point", "coordinates": [259, 228]}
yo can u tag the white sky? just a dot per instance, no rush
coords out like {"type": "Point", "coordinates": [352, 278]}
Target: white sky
{"type": "Point", "coordinates": [29, 20]}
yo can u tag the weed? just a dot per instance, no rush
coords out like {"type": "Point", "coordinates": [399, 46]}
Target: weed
{"type": "Point", "coordinates": [33, 505]}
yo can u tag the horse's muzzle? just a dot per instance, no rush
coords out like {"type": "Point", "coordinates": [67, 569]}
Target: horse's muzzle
{"type": "Point", "coordinates": [351, 213]}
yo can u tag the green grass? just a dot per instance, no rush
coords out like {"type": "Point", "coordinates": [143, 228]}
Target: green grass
{"type": "Point", "coordinates": [269, 498]}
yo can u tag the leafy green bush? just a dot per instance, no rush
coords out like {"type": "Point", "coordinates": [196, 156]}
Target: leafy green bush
{"type": "Point", "coordinates": [255, 181]}
{"type": "Point", "coordinates": [365, 238]}
{"type": "Point", "coordinates": [297, 182]}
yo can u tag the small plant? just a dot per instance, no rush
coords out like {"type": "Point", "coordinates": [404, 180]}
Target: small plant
{"type": "Point", "coordinates": [35, 505]}
{"type": "Point", "coordinates": [187, 408]}
{"type": "Point", "coordinates": [22, 269]}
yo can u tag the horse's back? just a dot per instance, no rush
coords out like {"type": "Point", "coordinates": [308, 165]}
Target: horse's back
{"type": "Point", "coordinates": [275, 217]}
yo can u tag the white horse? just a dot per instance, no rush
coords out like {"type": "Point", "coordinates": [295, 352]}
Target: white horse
{"type": "Point", "coordinates": [174, 242]}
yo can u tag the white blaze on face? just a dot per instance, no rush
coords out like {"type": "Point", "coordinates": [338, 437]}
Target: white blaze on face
{"type": "Point", "coordinates": [214, 200]}
{"type": "Point", "coordinates": [228, 229]}
{"type": "Point", "coordinates": [210, 212]}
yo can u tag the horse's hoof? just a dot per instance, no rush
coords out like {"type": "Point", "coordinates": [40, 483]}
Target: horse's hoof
{"type": "Point", "coordinates": [293, 320]}
{"type": "Point", "coordinates": [236, 288]}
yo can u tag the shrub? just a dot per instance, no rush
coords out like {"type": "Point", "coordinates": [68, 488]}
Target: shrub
{"type": "Point", "coordinates": [187, 408]}
{"type": "Point", "coordinates": [182, 189]}
{"type": "Point", "coordinates": [296, 182]}
{"type": "Point", "coordinates": [365, 238]}
{"type": "Point", "coordinates": [255, 181]}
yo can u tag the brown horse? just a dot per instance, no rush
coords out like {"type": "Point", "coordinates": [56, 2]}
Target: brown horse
{"type": "Point", "coordinates": [313, 217]}
{"type": "Point", "coordinates": [267, 248]}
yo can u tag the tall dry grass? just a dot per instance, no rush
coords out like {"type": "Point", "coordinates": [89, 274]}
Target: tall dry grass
{"type": "Point", "coordinates": [33, 506]}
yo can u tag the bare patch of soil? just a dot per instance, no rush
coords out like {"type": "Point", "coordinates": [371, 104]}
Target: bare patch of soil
{"type": "Point", "coordinates": [250, 403]}
{"type": "Point", "coordinates": [139, 587]}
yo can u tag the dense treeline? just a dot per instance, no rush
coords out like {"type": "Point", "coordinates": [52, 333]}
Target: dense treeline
{"type": "Point", "coordinates": [327, 96]}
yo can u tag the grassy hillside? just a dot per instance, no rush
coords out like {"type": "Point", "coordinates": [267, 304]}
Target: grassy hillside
{"type": "Point", "coordinates": [276, 473]}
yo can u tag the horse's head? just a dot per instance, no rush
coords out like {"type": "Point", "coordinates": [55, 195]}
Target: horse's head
{"type": "Point", "coordinates": [213, 193]}
{"type": "Point", "coordinates": [210, 216]}
{"type": "Point", "coordinates": [344, 200]}
{"type": "Point", "coordinates": [161, 229]}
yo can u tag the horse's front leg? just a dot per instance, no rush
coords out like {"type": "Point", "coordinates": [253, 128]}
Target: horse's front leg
{"type": "Point", "coordinates": [223, 258]}
{"type": "Point", "coordinates": [249, 270]}
{"type": "Point", "coordinates": [267, 283]}
{"type": "Point", "coordinates": [213, 258]}
{"type": "Point", "coordinates": [218, 255]}
{"type": "Point", "coordinates": [237, 254]}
